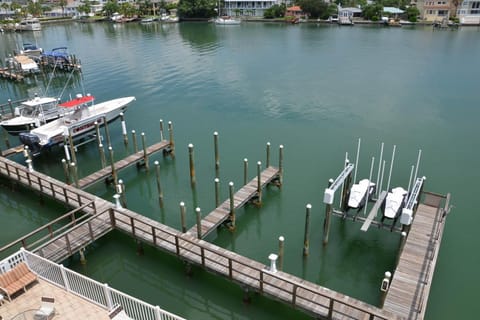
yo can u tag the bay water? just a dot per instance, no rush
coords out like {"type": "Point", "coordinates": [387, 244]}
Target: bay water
{"type": "Point", "coordinates": [316, 90]}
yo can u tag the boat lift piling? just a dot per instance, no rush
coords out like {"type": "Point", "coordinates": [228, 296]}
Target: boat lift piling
{"type": "Point", "coordinates": [107, 132]}
{"type": "Point", "coordinates": [328, 200]}
{"type": "Point", "coordinates": [306, 236]}
{"type": "Point", "coordinates": [281, 250]}
{"type": "Point", "coordinates": [182, 216]}
{"type": "Point", "coordinates": [192, 165]}
{"type": "Point", "coordinates": [124, 129]}
{"type": "Point", "coordinates": [161, 130]}
{"type": "Point", "coordinates": [379, 169]}
{"type": "Point", "coordinates": [231, 193]}
{"type": "Point", "coordinates": [145, 153]}
{"type": "Point", "coordinates": [103, 159]}
{"type": "Point", "coordinates": [245, 171]}
{"type": "Point", "coordinates": [172, 143]}
{"type": "Point", "coordinates": [217, 192]}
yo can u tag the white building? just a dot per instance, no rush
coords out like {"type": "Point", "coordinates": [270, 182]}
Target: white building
{"type": "Point", "coordinates": [469, 12]}
{"type": "Point", "coordinates": [254, 8]}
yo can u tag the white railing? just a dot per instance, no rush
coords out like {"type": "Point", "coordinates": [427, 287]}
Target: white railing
{"type": "Point", "coordinates": [86, 288]}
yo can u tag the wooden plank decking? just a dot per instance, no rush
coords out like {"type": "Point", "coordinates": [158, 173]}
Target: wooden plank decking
{"type": "Point", "coordinates": [121, 164]}
{"type": "Point", "coordinates": [406, 299]}
{"type": "Point", "coordinates": [410, 285]}
{"type": "Point", "coordinates": [373, 212]}
{"type": "Point", "coordinates": [211, 221]}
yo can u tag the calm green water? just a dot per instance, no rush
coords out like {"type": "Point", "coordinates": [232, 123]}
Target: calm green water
{"type": "Point", "coordinates": [314, 89]}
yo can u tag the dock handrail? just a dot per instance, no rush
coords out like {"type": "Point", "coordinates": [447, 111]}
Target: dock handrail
{"type": "Point", "coordinates": [97, 293]}
{"type": "Point", "coordinates": [298, 292]}
{"type": "Point", "coordinates": [72, 215]}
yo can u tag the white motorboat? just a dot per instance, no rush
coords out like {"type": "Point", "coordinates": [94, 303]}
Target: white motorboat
{"type": "Point", "coordinates": [38, 111]}
{"type": "Point", "coordinates": [76, 124]}
{"type": "Point", "coordinates": [22, 63]}
{"type": "Point", "coordinates": [360, 193]}
{"type": "Point", "coordinates": [29, 24]}
{"type": "Point", "coordinates": [227, 20]}
{"type": "Point", "coordinates": [393, 204]}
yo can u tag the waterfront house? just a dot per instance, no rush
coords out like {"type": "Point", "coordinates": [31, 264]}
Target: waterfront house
{"type": "Point", "coordinates": [247, 8]}
{"type": "Point", "coordinates": [295, 11]}
{"type": "Point", "coordinates": [469, 12]}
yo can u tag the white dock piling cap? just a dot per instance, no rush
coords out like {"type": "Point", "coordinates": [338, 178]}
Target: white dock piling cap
{"type": "Point", "coordinates": [328, 196]}
{"type": "Point", "coordinates": [406, 217]}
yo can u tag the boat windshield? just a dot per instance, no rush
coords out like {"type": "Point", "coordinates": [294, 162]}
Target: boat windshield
{"type": "Point", "coordinates": [33, 111]}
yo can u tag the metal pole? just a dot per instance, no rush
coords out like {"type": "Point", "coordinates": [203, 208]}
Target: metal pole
{"type": "Point", "coordinates": [356, 160]}
{"type": "Point", "coordinates": [418, 164]}
{"type": "Point", "coordinates": [379, 168]}
{"type": "Point", "coordinates": [217, 156]}
{"type": "Point", "coordinates": [369, 184]}
{"type": "Point", "coordinates": [410, 180]}
{"type": "Point", "coordinates": [391, 167]}
{"type": "Point", "coordinates": [124, 129]}
{"type": "Point", "coordinates": [268, 155]}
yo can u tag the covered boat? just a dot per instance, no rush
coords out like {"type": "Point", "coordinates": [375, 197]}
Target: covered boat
{"type": "Point", "coordinates": [393, 204]}
{"type": "Point", "coordinates": [78, 123]}
{"type": "Point", "coordinates": [360, 193]}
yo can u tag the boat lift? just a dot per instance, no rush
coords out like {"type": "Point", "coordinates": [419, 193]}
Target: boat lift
{"type": "Point", "coordinates": [412, 202]}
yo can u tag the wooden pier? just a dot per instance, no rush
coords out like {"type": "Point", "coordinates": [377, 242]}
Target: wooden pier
{"type": "Point", "coordinates": [10, 74]}
{"type": "Point", "coordinates": [406, 298]}
{"type": "Point", "coordinates": [218, 216]}
{"type": "Point", "coordinates": [410, 285]}
{"type": "Point", "coordinates": [121, 164]}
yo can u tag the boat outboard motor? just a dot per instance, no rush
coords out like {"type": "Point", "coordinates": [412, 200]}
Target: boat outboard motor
{"type": "Point", "coordinates": [32, 141]}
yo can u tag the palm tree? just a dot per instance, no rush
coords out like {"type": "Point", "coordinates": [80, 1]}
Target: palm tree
{"type": "Point", "coordinates": [5, 6]}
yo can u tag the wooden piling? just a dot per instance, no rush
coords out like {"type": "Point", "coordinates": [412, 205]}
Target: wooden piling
{"type": "Point", "coordinates": [281, 246]}
{"type": "Point", "coordinates": [403, 239]}
{"type": "Point", "coordinates": [192, 164]}
{"type": "Point", "coordinates": [124, 129]}
{"type": "Point", "coordinates": [11, 107]}
{"type": "Point", "coordinates": [74, 174]}
{"type": "Point", "coordinates": [306, 236]}
{"type": "Point", "coordinates": [159, 186]}
{"type": "Point", "coordinates": [259, 184]}
{"type": "Point", "coordinates": [384, 287]}
{"type": "Point", "coordinates": [72, 147]}
{"type": "Point", "coordinates": [217, 192]}
{"type": "Point", "coordinates": [161, 130]}
{"type": "Point", "coordinates": [280, 165]}
{"type": "Point", "coordinates": [112, 165]}
{"type": "Point", "coordinates": [217, 156]}
{"type": "Point", "coordinates": [107, 132]}
{"type": "Point", "coordinates": [121, 190]}
{"type": "Point", "coordinates": [267, 164]}
{"type": "Point", "coordinates": [97, 133]}
{"type": "Point", "coordinates": [145, 154]}
{"type": "Point", "coordinates": [65, 171]}
{"type": "Point", "coordinates": [328, 215]}
{"type": "Point", "coordinates": [134, 139]}
{"type": "Point", "coordinates": [199, 222]}
{"type": "Point", "coordinates": [182, 216]}
{"type": "Point", "coordinates": [245, 171]}
{"type": "Point", "coordinates": [172, 143]}
{"type": "Point", "coordinates": [232, 205]}
{"type": "Point", "coordinates": [103, 159]}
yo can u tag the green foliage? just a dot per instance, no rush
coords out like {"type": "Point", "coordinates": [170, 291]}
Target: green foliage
{"type": "Point", "coordinates": [110, 8]}
{"type": "Point", "coordinates": [314, 8]}
{"type": "Point", "coordinates": [34, 8]}
{"type": "Point", "coordinates": [85, 7]}
{"type": "Point", "coordinates": [127, 9]}
{"type": "Point", "coordinates": [275, 11]}
{"type": "Point", "coordinates": [373, 12]}
{"type": "Point", "coordinates": [197, 8]}
{"type": "Point", "coordinates": [412, 14]}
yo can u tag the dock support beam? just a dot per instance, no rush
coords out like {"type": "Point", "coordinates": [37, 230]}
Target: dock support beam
{"type": "Point", "coordinates": [134, 139]}
{"type": "Point", "coordinates": [245, 171]}
{"type": "Point", "coordinates": [199, 222]}
{"type": "Point", "coordinates": [112, 165]}
{"type": "Point", "coordinates": [258, 201]}
{"type": "Point", "coordinates": [328, 215]}
{"type": "Point", "coordinates": [161, 130]}
{"type": "Point", "coordinates": [217, 192]}
{"type": "Point", "coordinates": [267, 164]}
{"type": "Point", "coordinates": [281, 249]}
{"type": "Point", "coordinates": [182, 217]}
{"type": "Point", "coordinates": [145, 154]}
{"type": "Point", "coordinates": [280, 166]}
{"type": "Point", "coordinates": [172, 143]}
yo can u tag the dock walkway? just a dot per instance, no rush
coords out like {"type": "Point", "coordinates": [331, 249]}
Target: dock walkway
{"type": "Point", "coordinates": [220, 214]}
{"type": "Point", "coordinates": [410, 285]}
{"type": "Point", "coordinates": [406, 298]}
{"type": "Point", "coordinates": [121, 164]}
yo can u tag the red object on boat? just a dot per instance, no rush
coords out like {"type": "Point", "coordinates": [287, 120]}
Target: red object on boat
{"type": "Point", "coordinates": [77, 101]}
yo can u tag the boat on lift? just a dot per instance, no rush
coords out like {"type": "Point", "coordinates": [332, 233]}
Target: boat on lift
{"type": "Point", "coordinates": [76, 124]}
{"type": "Point", "coordinates": [393, 204]}
{"type": "Point", "coordinates": [360, 193]}
{"type": "Point", "coordinates": [38, 111]}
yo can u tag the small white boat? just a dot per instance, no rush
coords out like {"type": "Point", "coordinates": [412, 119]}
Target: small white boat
{"type": "Point", "coordinates": [360, 193]}
{"type": "Point", "coordinates": [393, 204]}
{"type": "Point", "coordinates": [147, 20]}
{"type": "Point", "coordinates": [77, 124]}
{"type": "Point", "coordinates": [23, 63]}
{"type": "Point", "coordinates": [29, 24]}
{"type": "Point", "coordinates": [227, 20]}
{"type": "Point", "coordinates": [168, 18]}
{"type": "Point", "coordinates": [31, 50]}
{"type": "Point", "coordinates": [39, 111]}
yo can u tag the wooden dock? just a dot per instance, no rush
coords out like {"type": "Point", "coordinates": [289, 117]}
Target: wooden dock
{"type": "Point", "coordinates": [406, 299]}
{"type": "Point", "coordinates": [121, 164]}
{"type": "Point", "coordinates": [220, 214]}
{"type": "Point", "coordinates": [10, 74]}
{"type": "Point", "coordinates": [410, 285]}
